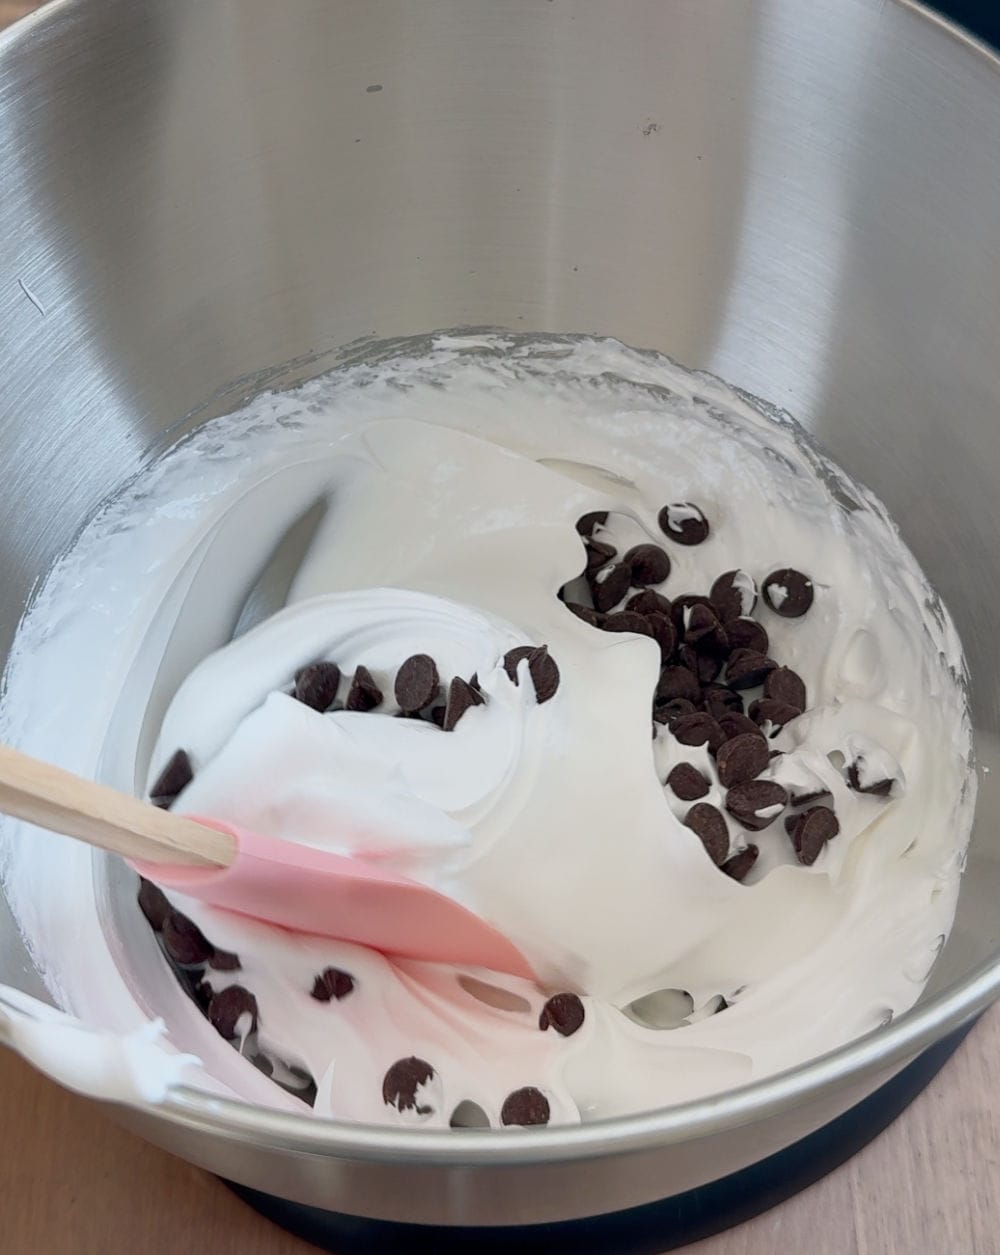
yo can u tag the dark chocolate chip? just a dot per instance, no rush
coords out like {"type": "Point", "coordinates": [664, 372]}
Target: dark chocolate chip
{"type": "Point", "coordinates": [332, 982]}
{"type": "Point", "coordinates": [224, 961]}
{"type": "Point", "coordinates": [564, 1013]}
{"type": "Point", "coordinates": [734, 595]}
{"type": "Point", "coordinates": [228, 1007]}
{"type": "Point", "coordinates": [670, 711]}
{"type": "Point", "coordinates": [811, 831]}
{"type": "Point", "coordinates": [184, 941]}
{"type": "Point", "coordinates": [745, 802]}
{"type": "Point", "coordinates": [680, 611]}
{"type": "Point", "coordinates": [746, 668]}
{"type": "Point", "coordinates": [738, 867]}
{"type": "Point", "coordinates": [710, 825]}
{"type": "Point", "coordinates": [587, 613]}
{"type": "Point", "coordinates": [598, 553]}
{"type": "Point", "coordinates": [787, 686]}
{"type": "Point", "coordinates": [721, 700]}
{"type": "Point", "coordinates": [626, 621]}
{"type": "Point", "coordinates": [177, 775]}
{"type": "Point", "coordinates": [364, 694]}
{"type": "Point", "coordinates": [586, 523]}
{"type": "Point", "coordinates": [735, 723]}
{"type": "Point", "coordinates": [705, 666]}
{"type": "Point", "coordinates": [702, 623]}
{"type": "Point", "coordinates": [663, 633]}
{"type": "Point", "coordinates": [417, 683]}
{"type": "Point", "coordinates": [541, 667]}
{"type": "Point", "coordinates": [684, 523]}
{"type": "Point", "coordinates": [788, 592]}
{"type": "Point", "coordinates": [687, 782]}
{"type": "Point", "coordinates": [648, 564]}
{"type": "Point", "coordinates": [461, 697]}
{"type": "Point", "coordinates": [316, 685]}
{"type": "Point", "coordinates": [767, 711]}
{"type": "Point", "coordinates": [437, 714]}
{"type": "Point", "coordinates": [878, 788]}
{"type": "Point", "coordinates": [699, 729]}
{"type": "Point", "coordinates": [747, 634]}
{"type": "Point", "coordinates": [153, 903]}
{"type": "Point", "coordinates": [525, 1107]}
{"type": "Point", "coordinates": [401, 1082]}
{"type": "Point", "coordinates": [677, 682]}
{"type": "Point", "coordinates": [649, 602]}
{"type": "Point", "coordinates": [742, 758]}
{"type": "Point", "coordinates": [608, 591]}
{"type": "Point", "coordinates": [804, 799]}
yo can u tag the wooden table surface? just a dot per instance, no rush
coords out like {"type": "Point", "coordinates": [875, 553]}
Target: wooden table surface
{"type": "Point", "coordinates": [73, 1183]}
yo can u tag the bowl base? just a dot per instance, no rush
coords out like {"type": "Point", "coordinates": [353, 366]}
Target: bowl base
{"type": "Point", "coordinates": [648, 1230]}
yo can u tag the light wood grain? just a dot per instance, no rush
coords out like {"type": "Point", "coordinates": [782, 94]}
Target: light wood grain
{"type": "Point", "coordinates": [63, 802]}
{"type": "Point", "coordinates": [73, 1183]}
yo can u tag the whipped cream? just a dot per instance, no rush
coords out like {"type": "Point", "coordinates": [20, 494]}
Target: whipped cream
{"type": "Point", "coordinates": [454, 471]}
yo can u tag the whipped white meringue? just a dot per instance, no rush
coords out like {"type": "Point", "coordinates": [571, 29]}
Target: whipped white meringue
{"type": "Point", "coordinates": [454, 472]}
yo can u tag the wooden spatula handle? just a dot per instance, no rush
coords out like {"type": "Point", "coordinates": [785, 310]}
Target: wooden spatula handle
{"type": "Point", "coordinates": [58, 800]}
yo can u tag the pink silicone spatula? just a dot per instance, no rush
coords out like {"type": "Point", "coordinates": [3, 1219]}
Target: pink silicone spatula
{"type": "Point", "coordinates": [280, 882]}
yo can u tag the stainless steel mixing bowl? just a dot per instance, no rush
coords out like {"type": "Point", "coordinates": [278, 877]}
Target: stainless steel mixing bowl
{"type": "Point", "coordinates": [802, 197]}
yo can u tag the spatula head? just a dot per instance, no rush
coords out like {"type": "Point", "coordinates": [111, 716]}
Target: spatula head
{"type": "Point", "coordinates": [332, 895]}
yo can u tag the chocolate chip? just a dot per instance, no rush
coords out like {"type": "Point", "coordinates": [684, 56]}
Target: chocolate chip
{"type": "Point", "coordinates": [746, 668]}
{"type": "Point", "coordinates": [224, 961]}
{"type": "Point", "coordinates": [184, 941]}
{"type": "Point", "coordinates": [811, 831]}
{"type": "Point", "coordinates": [670, 711]}
{"type": "Point", "coordinates": [742, 758]}
{"type": "Point", "coordinates": [663, 633]}
{"type": "Point", "coordinates": [705, 665]}
{"type": "Point", "coordinates": [316, 685]}
{"type": "Point", "coordinates": [364, 694]}
{"type": "Point", "coordinates": [541, 667]}
{"type": "Point", "coordinates": [698, 729]}
{"type": "Point", "coordinates": [702, 623]}
{"type": "Point", "coordinates": [683, 522]}
{"type": "Point", "coordinates": [767, 711]}
{"type": "Point", "coordinates": [526, 1107]}
{"type": "Point", "coordinates": [788, 592]}
{"type": "Point", "coordinates": [461, 697]}
{"type": "Point", "coordinates": [153, 903]}
{"type": "Point", "coordinates": [648, 564]}
{"type": "Point", "coordinates": [564, 1013]}
{"type": "Point", "coordinates": [587, 613]}
{"type": "Point", "coordinates": [401, 1082]}
{"type": "Point", "coordinates": [787, 686]}
{"type": "Point", "coordinates": [733, 595]}
{"type": "Point", "coordinates": [687, 782]}
{"type": "Point", "coordinates": [745, 802]}
{"type": "Point", "coordinates": [437, 714]}
{"type": "Point", "coordinates": [228, 1007]}
{"type": "Point", "coordinates": [738, 867]}
{"type": "Point", "coordinates": [598, 553]}
{"type": "Point", "coordinates": [710, 825]}
{"type": "Point", "coordinates": [332, 983]}
{"type": "Point", "coordinates": [803, 799]}
{"type": "Point", "coordinates": [747, 634]}
{"type": "Point", "coordinates": [720, 700]}
{"type": "Point", "coordinates": [586, 523]}
{"type": "Point", "coordinates": [680, 611]}
{"type": "Point", "coordinates": [649, 602]}
{"type": "Point", "coordinates": [677, 682]}
{"type": "Point", "coordinates": [627, 621]}
{"type": "Point", "coordinates": [608, 591]}
{"type": "Point", "coordinates": [417, 683]}
{"type": "Point", "coordinates": [177, 775]}
{"type": "Point", "coordinates": [735, 723]}
{"type": "Point", "coordinates": [878, 788]}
